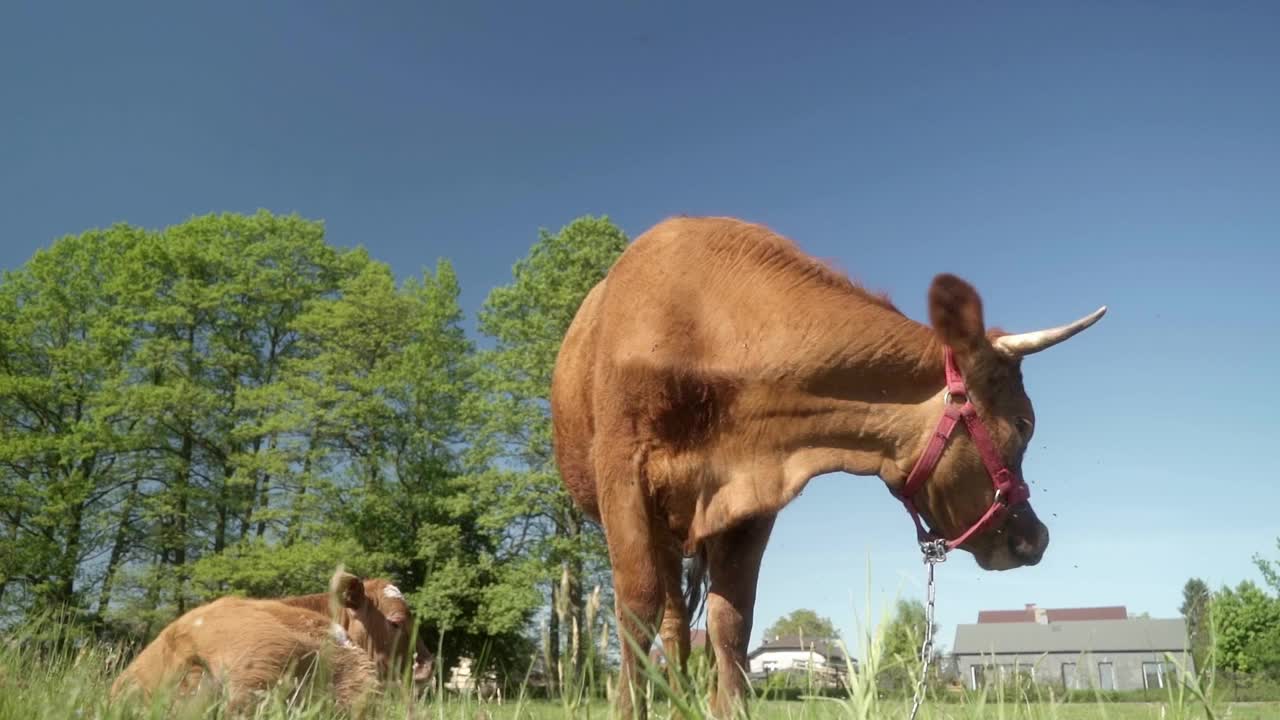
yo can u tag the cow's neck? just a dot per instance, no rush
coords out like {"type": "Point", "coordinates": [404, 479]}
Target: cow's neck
{"type": "Point", "coordinates": [855, 397]}
{"type": "Point", "coordinates": [317, 602]}
{"type": "Point", "coordinates": [866, 405]}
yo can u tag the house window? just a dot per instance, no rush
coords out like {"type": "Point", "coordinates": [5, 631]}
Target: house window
{"type": "Point", "coordinates": [1106, 676]}
{"type": "Point", "coordinates": [977, 675]}
{"type": "Point", "coordinates": [1070, 678]}
{"type": "Point", "coordinates": [1153, 675]}
{"type": "Point", "coordinates": [1013, 673]}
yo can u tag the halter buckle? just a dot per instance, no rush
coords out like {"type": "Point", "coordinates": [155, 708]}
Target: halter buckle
{"type": "Point", "coordinates": [934, 551]}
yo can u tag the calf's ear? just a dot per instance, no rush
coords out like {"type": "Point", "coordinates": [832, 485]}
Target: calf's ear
{"type": "Point", "coordinates": [347, 590]}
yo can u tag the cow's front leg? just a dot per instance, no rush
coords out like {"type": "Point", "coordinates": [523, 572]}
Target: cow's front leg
{"type": "Point", "coordinates": [734, 563]}
{"type": "Point", "coordinates": [637, 581]}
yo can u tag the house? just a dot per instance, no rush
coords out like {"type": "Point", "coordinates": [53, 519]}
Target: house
{"type": "Point", "coordinates": [789, 653]}
{"type": "Point", "coordinates": [697, 639]}
{"type": "Point", "coordinates": [1032, 613]}
{"type": "Point", "coordinates": [1076, 648]}
{"type": "Point", "coordinates": [463, 681]}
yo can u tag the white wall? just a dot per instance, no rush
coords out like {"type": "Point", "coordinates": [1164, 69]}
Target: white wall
{"type": "Point", "coordinates": [775, 660]}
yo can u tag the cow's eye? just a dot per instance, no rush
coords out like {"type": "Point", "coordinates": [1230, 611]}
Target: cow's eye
{"type": "Point", "coordinates": [1025, 426]}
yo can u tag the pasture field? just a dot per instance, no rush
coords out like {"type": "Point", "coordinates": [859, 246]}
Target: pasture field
{"type": "Point", "coordinates": [74, 685]}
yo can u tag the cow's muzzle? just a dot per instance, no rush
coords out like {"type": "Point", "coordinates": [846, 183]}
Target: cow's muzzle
{"type": "Point", "coordinates": [1028, 537]}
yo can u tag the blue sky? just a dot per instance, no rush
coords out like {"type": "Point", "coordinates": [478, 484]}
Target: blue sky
{"type": "Point", "coordinates": [1059, 158]}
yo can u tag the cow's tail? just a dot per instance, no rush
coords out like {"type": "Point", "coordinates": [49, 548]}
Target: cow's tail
{"type": "Point", "coordinates": [696, 584]}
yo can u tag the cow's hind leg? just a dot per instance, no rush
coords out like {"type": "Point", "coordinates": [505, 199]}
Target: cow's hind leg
{"type": "Point", "coordinates": [733, 558]}
{"type": "Point", "coordinates": [637, 582]}
{"type": "Point", "coordinates": [675, 618]}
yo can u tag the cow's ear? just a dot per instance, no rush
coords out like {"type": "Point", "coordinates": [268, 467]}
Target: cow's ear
{"type": "Point", "coordinates": [955, 311]}
{"type": "Point", "coordinates": [349, 590]}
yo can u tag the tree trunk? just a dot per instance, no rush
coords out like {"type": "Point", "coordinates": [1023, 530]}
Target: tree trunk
{"type": "Point", "coordinates": [264, 493]}
{"type": "Point", "coordinates": [176, 543]}
{"type": "Point", "coordinates": [75, 528]}
{"type": "Point", "coordinates": [224, 509]}
{"type": "Point", "coordinates": [578, 611]}
{"type": "Point", "coordinates": [117, 550]}
{"type": "Point", "coordinates": [152, 602]}
{"type": "Point", "coordinates": [553, 643]}
{"type": "Point", "coordinates": [294, 529]}
{"type": "Point", "coordinates": [17, 524]}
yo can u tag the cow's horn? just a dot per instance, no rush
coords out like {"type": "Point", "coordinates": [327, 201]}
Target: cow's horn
{"type": "Point", "coordinates": [1033, 342]}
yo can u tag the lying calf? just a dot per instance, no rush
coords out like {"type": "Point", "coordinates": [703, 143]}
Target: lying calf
{"type": "Point", "coordinates": [361, 628]}
{"type": "Point", "coordinates": [374, 615]}
{"type": "Point", "coordinates": [245, 647]}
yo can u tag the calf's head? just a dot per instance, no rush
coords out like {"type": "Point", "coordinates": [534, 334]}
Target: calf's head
{"type": "Point", "coordinates": [379, 620]}
{"type": "Point", "coordinates": [961, 490]}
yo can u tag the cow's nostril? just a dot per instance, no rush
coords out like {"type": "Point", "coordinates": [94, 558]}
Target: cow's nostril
{"type": "Point", "coordinates": [1024, 549]}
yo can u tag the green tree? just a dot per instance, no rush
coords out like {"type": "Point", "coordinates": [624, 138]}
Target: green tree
{"type": "Point", "coordinates": [64, 476]}
{"type": "Point", "coordinates": [1270, 569]}
{"type": "Point", "coordinates": [514, 476]}
{"type": "Point", "coordinates": [211, 305]}
{"type": "Point", "coordinates": [902, 640]}
{"type": "Point", "coordinates": [803, 623]}
{"type": "Point", "coordinates": [1244, 619]}
{"type": "Point", "coordinates": [1195, 608]}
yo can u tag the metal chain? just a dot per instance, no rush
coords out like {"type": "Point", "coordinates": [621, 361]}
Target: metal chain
{"type": "Point", "coordinates": [934, 552]}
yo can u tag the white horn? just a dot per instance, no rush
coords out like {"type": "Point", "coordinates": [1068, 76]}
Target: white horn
{"type": "Point", "coordinates": [1033, 342]}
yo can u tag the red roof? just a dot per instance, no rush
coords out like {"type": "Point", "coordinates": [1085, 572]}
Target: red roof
{"type": "Point", "coordinates": [1030, 612]}
{"type": "Point", "coordinates": [697, 639]}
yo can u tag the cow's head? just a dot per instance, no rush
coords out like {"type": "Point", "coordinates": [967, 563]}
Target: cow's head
{"type": "Point", "coordinates": [961, 490]}
{"type": "Point", "coordinates": [379, 620]}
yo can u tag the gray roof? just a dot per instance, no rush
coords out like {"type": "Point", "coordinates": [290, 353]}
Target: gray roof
{"type": "Point", "coordinates": [1135, 634]}
{"type": "Point", "coordinates": [827, 648]}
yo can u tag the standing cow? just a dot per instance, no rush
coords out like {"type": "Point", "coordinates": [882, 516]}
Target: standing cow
{"type": "Point", "coordinates": [717, 369]}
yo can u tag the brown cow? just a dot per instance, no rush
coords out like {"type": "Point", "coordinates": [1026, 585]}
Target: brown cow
{"type": "Point", "coordinates": [375, 616]}
{"type": "Point", "coordinates": [247, 645]}
{"type": "Point", "coordinates": [244, 647]}
{"type": "Point", "coordinates": [717, 369]}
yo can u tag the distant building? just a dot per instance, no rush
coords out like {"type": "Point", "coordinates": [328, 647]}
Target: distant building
{"type": "Point", "coordinates": [1077, 648]}
{"type": "Point", "coordinates": [1032, 613]}
{"type": "Point", "coordinates": [463, 681]}
{"type": "Point", "coordinates": [697, 639]}
{"type": "Point", "coordinates": [821, 659]}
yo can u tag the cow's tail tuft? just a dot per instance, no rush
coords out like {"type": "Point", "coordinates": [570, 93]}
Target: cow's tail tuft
{"type": "Point", "coordinates": [696, 584]}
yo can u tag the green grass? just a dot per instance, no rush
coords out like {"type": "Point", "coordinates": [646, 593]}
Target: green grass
{"type": "Point", "coordinates": [73, 683]}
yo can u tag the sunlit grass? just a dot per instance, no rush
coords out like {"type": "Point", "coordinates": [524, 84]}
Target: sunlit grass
{"type": "Point", "coordinates": [50, 675]}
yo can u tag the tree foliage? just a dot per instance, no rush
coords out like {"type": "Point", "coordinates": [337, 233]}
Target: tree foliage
{"type": "Point", "coordinates": [1246, 623]}
{"type": "Point", "coordinates": [902, 639]}
{"type": "Point", "coordinates": [515, 486]}
{"type": "Point", "coordinates": [803, 623]}
{"type": "Point", "coordinates": [234, 405]}
{"type": "Point", "coordinates": [1195, 609]}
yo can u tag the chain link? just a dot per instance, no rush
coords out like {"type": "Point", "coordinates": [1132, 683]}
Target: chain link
{"type": "Point", "coordinates": [934, 552]}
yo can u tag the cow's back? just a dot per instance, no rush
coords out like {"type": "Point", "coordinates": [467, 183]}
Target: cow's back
{"type": "Point", "coordinates": [693, 316]}
{"type": "Point", "coordinates": [645, 323]}
{"type": "Point", "coordinates": [573, 424]}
